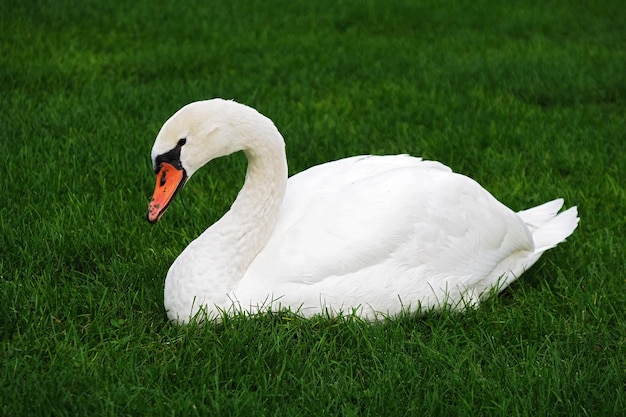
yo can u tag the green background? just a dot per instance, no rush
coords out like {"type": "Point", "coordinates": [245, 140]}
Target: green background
{"type": "Point", "coordinates": [528, 98]}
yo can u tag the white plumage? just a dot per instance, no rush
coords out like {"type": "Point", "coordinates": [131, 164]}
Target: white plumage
{"type": "Point", "coordinates": [366, 234]}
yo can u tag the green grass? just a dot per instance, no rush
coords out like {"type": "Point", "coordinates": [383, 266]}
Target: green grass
{"type": "Point", "coordinates": [529, 99]}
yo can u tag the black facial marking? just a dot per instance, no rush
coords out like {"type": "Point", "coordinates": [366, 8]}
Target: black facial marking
{"type": "Point", "coordinates": [171, 157]}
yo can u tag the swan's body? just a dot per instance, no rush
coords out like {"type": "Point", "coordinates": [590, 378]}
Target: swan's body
{"type": "Point", "coordinates": [364, 235]}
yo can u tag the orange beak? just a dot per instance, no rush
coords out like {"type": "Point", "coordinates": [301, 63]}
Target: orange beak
{"type": "Point", "coordinates": [169, 180]}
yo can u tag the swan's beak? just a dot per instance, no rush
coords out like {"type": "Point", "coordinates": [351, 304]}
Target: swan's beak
{"type": "Point", "coordinates": [169, 180]}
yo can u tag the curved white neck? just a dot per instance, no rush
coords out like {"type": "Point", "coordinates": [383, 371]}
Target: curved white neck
{"type": "Point", "coordinates": [231, 244]}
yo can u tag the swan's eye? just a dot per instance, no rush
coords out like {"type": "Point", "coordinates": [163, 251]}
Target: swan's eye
{"type": "Point", "coordinates": [172, 156]}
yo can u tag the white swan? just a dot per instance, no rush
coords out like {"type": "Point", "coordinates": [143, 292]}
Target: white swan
{"type": "Point", "coordinates": [363, 235]}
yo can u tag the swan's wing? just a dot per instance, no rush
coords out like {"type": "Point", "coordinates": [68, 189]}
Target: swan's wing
{"type": "Point", "coordinates": [334, 174]}
{"type": "Point", "coordinates": [419, 216]}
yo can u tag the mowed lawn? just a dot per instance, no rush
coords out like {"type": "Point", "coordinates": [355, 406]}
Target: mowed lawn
{"type": "Point", "coordinates": [528, 98]}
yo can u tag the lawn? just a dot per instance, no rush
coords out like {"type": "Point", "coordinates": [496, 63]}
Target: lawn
{"type": "Point", "coordinates": [528, 98]}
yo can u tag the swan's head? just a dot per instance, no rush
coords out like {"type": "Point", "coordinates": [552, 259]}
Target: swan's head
{"type": "Point", "coordinates": [193, 136]}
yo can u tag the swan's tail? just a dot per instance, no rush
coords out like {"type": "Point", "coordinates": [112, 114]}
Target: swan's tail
{"type": "Point", "coordinates": [547, 227]}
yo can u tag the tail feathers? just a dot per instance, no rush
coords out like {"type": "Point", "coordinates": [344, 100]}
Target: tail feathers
{"type": "Point", "coordinates": [549, 228]}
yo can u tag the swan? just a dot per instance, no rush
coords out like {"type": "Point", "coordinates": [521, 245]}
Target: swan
{"type": "Point", "coordinates": [367, 235]}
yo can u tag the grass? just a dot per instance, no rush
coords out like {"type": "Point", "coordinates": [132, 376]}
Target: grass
{"type": "Point", "coordinates": [528, 99]}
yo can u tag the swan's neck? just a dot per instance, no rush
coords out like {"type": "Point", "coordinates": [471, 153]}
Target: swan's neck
{"type": "Point", "coordinates": [232, 243]}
